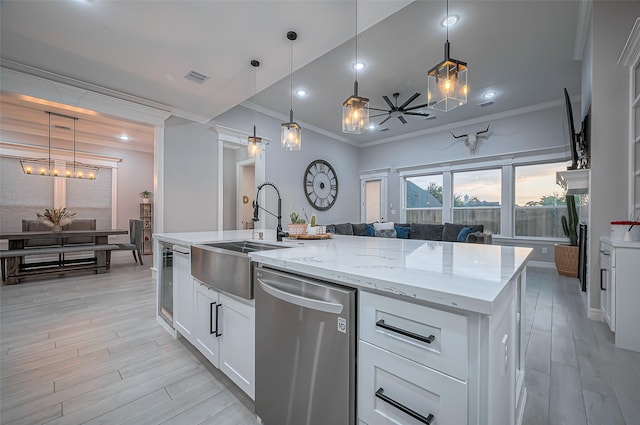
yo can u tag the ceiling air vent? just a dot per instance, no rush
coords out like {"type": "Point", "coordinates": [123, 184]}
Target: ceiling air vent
{"type": "Point", "coordinates": [486, 104]}
{"type": "Point", "coordinates": [196, 77]}
{"type": "Point", "coordinates": [384, 129]}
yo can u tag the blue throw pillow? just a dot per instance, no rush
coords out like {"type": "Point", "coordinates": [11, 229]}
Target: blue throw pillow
{"type": "Point", "coordinates": [369, 230]}
{"type": "Point", "coordinates": [464, 232]}
{"type": "Point", "coordinates": [402, 232]}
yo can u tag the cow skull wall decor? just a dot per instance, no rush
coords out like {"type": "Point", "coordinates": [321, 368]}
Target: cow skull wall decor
{"type": "Point", "coordinates": [471, 139]}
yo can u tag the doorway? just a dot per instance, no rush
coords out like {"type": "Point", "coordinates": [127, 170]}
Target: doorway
{"type": "Point", "coordinates": [246, 193]}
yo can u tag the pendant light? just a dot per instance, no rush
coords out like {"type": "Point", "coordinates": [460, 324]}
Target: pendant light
{"type": "Point", "coordinates": [253, 145]}
{"type": "Point", "coordinates": [290, 135]}
{"type": "Point", "coordinates": [355, 110]}
{"type": "Point", "coordinates": [59, 167]}
{"type": "Point", "coordinates": [447, 81]}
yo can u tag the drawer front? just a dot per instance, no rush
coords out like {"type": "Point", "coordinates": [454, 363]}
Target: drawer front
{"type": "Point", "coordinates": [607, 256]}
{"type": "Point", "coordinates": [393, 390]}
{"type": "Point", "coordinates": [434, 338]}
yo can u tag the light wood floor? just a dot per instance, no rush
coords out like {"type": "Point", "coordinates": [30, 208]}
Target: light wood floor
{"type": "Point", "coordinates": [87, 349]}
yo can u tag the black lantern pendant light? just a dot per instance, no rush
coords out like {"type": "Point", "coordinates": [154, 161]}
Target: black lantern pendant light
{"type": "Point", "coordinates": [355, 110]}
{"type": "Point", "coordinates": [290, 134]}
{"type": "Point", "coordinates": [447, 81]}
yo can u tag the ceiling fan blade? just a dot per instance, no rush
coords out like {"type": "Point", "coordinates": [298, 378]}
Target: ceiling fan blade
{"type": "Point", "coordinates": [417, 107]}
{"type": "Point", "coordinates": [401, 118]}
{"type": "Point", "coordinates": [386, 99]}
{"type": "Point", "coordinates": [385, 120]}
{"type": "Point", "coordinates": [376, 109]}
{"type": "Point", "coordinates": [417, 114]}
{"type": "Point", "coordinates": [378, 115]}
{"type": "Point", "coordinates": [411, 99]}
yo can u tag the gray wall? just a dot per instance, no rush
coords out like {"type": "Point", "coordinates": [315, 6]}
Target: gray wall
{"type": "Point", "coordinates": [612, 22]}
{"type": "Point", "coordinates": [190, 177]}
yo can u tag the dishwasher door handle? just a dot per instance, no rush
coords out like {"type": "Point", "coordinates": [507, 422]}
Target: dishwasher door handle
{"type": "Point", "coordinates": [325, 306]}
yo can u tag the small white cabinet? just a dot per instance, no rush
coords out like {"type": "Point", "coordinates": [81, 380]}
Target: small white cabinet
{"type": "Point", "coordinates": [183, 314]}
{"type": "Point", "coordinates": [620, 290]}
{"type": "Point", "coordinates": [207, 314]}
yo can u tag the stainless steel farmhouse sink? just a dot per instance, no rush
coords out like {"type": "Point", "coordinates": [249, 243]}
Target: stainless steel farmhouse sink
{"type": "Point", "coordinates": [226, 265]}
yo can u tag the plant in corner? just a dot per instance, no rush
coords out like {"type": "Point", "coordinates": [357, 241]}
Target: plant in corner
{"type": "Point", "coordinates": [146, 195]}
{"type": "Point", "coordinates": [566, 256]}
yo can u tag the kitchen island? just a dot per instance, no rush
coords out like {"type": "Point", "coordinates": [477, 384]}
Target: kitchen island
{"type": "Point", "coordinates": [468, 298]}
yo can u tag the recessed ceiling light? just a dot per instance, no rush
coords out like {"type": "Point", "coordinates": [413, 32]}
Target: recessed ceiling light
{"type": "Point", "coordinates": [450, 21]}
{"type": "Point", "coordinates": [358, 66]}
{"type": "Point", "coordinates": [489, 95]}
{"type": "Point", "coordinates": [301, 92]}
{"type": "Point", "coordinates": [124, 137]}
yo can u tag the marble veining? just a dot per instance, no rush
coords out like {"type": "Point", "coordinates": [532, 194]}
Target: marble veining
{"type": "Point", "coordinates": [467, 276]}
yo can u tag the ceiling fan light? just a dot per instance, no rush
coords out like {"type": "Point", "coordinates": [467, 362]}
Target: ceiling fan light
{"type": "Point", "coordinates": [355, 115]}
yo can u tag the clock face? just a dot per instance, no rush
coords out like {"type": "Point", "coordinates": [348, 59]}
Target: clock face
{"type": "Point", "coordinates": [321, 185]}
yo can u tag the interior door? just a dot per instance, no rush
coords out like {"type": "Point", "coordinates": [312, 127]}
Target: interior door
{"type": "Point", "coordinates": [373, 194]}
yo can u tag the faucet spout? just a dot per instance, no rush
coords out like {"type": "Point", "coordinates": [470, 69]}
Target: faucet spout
{"type": "Point", "coordinates": [256, 208]}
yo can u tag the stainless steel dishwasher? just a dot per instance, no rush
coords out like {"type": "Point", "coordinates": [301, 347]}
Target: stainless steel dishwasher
{"type": "Point", "coordinates": [305, 350]}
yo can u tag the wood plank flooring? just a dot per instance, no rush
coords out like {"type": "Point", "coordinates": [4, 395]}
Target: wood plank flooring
{"type": "Point", "coordinates": [86, 349]}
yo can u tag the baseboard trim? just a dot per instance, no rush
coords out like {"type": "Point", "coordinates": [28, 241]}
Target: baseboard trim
{"type": "Point", "coordinates": [595, 314]}
{"type": "Point", "coordinates": [542, 264]}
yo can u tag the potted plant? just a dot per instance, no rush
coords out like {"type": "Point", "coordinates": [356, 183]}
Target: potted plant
{"type": "Point", "coordinates": [298, 225]}
{"type": "Point", "coordinates": [146, 196]}
{"type": "Point", "coordinates": [566, 256]}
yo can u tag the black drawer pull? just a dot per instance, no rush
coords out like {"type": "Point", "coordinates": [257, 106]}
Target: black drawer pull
{"type": "Point", "coordinates": [428, 339]}
{"type": "Point", "coordinates": [403, 408]}
{"type": "Point", "coordinates": [218, 320]}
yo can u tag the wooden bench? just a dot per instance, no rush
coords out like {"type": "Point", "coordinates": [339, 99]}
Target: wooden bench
{"type": "Point", "coordinates": [19, 268]}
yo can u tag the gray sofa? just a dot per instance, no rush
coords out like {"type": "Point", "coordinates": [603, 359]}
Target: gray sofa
{"type": "Point", "coordinates": [448, 232]}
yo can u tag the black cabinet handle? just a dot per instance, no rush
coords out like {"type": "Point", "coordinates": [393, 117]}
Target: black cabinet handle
{"type": "Point", "coordinates": [403, 408]}
{"type": "Point", "coordinates": [218, 321]}
{"type": "Point", "coordinates": [602, 279]}
{"type": "Point", "coordinates": [211, 331]}
{"type": "Point", "coordinates": [428, 339]}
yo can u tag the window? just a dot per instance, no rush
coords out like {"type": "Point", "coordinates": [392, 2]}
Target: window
{"type": "Point", "coordinates": [477, 198]}
{"type": "Point", "coordinates": [539, 202]}
{"type": "Point", "coordinates": [423, 199]}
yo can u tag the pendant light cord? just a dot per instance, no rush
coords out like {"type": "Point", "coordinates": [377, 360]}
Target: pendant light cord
{"type": "Point", "coordinates": [447, 21]}
{"type": "Point", "coordinates": [291, 79]}
{"type": "Point", "coordinates": [356, 64]}
{"type": "Point", "coordinates": [254, 104]}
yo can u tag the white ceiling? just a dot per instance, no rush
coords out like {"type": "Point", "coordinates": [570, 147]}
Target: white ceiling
{"type": "Point", "coordinates": [140, 50]}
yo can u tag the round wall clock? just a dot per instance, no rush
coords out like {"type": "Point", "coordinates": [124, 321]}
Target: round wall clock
{"type": "Point", "coordinates": [321, 185]}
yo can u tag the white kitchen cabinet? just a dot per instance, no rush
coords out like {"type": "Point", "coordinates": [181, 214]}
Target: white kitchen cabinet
{"type": "Point", "coordinates": [225, 334]}
{"type": "Point", "coordinates": [237, 342]}
{"type": "Point", "coordinates": [460, 367]}
{"type": "Point", "coordinates": [206, 327]}
{"type": "Point", "coordinates": [183, 287]}
{"type": "Point", "coordinates": [620, 290]}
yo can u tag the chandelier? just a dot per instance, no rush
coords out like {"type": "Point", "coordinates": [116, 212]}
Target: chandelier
{"type": "Point", "coordinates": [59, 167]}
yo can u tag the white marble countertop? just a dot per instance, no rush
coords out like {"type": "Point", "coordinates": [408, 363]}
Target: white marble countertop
{"type": "Point", "coordinates": [471, 277]}
{"type": "Point", "coordinates": [620, 243]}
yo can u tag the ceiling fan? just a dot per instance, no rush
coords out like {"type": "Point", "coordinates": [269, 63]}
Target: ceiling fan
{"type": "Point", "coordinates": [400, 111]}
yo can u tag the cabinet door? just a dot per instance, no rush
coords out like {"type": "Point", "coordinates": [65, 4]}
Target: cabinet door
{"type": "Point", "coordinates": [183, 313]}
{"type": "Point", "coordinates": [206, 325]}
{"type": "Point", "coordinates": [237, 342]}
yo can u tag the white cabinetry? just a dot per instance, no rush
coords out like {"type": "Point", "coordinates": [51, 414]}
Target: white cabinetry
{"type": "Point", "coordinates": [183, 314]}
{"type": "Point", "coordinates": [620, 291]}
{"type": "Point", "coordinates": [421, 364]}
{"type": "Point", "coordinates": [225, 334]}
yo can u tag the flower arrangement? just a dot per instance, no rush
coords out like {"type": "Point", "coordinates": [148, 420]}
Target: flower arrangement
{"type": "Point", "coordinates": [55, 217]}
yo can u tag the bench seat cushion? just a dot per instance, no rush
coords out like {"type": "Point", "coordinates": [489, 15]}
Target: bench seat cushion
{"type": "Point", "coordinates": [429, 232]}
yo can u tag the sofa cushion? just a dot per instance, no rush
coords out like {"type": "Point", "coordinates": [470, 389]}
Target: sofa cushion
{"type": "Point", "coordinates": [343, 229]}
{"type": "Point", "coordinates": [385, 230]}
{"type": "Point", "coordinates": [359, 229]}
{"type": "Point", "coordinates": [402, 232]}
{"type": "Point", "coordinates": [450, 231]}
{"type": "Point", "coordinates": [370, 230]}
{"type": "Point", "coordinates": [429, 232]}
{"type": "Point", "coordinates": [464, 232]}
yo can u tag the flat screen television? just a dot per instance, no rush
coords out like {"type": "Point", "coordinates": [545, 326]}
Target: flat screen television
{"type": "Point", "coordinates": [572, 132]}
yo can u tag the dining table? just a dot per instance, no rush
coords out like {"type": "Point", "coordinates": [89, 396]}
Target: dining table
{"type": "Point", "coordinates": [19, 241]}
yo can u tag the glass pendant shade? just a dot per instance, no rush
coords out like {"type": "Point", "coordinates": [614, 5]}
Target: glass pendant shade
{"type": "Point", "coordinates": [253, 147]}
{"type": "Point", "coordinates": [447, 83]}
{"type": "Point", "coordinates": [355, 115]}
{"type": "Point", "coordinates": [290, 136]}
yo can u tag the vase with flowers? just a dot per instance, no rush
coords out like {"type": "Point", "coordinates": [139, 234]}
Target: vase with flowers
{"type": "Point", "coordinates": [56, 218]}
